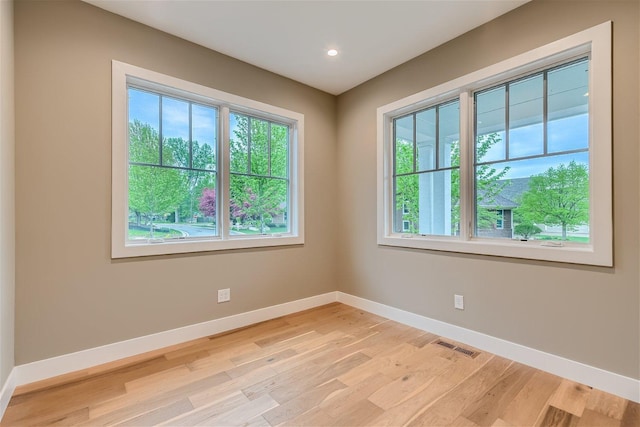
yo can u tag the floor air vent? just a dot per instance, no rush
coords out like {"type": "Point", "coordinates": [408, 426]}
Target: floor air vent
{"type": "Point", "coordinates": [471, 353]}
{"type": "Point", "coordinates": [445, 344]}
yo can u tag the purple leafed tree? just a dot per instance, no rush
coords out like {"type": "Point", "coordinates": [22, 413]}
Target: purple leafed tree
{"type": "Point", "coordinates": [208, 202]}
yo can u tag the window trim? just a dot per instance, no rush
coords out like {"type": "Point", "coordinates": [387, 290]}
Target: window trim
{"type": "Point", "coordinates": [122, 75]}
{"type": "Point", "coordinates": [596, 42]}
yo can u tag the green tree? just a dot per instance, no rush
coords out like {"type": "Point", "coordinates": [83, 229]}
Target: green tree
{"type": "Point", "coordinates": [153, 191]}
{"type": "Point", "coordinates": [175, 151]}
{"type": "Point", "coordinates": [559, 196]}
{"type": "Point", "coordinates": [526, 230]}
{"type": "Point", "coordinates": [407, 188]}
{"type": "Point", "coordinates": [259, 156]}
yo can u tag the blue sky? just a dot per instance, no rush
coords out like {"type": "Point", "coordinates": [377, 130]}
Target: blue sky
{"type": "Point", "coordinates": [144, 106]}
{"type": "Point", "coordinates": [570, 133]}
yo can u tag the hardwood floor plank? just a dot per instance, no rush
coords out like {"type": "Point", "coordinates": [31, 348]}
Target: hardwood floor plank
{"type": "Point", "coordinates": [439, 387]}
{"type": "Point", "coordinates": [230, 387]}
{"type": "Point", "coordinates": [284, 337]}
{"type": "Point", "coordinates": [465, 422]}
{"type": "Point", "coordinates": [606, 404]}
{"type": "Point", "coordinates": [359, 414]}
{"type": "Point", "coordinates": [39, 408]}
{"type": "Point", "coordinates": [494, 402]}
{"type": "Point", "coordinates": [317, 350]}
{"type": "Point", "coordinates": [261, 352]}
{"type": "Point", "coordinates": [407, 386]}
{"type": "Point", "coordinates": [313, 418]}
{"type": "Point", "coordinates": [285, 391]}
{"type": "Point", "coordinates": [214, 408]}
{"type": "Point", "coordinates": [412, 360]}
{"type": "Point", "coordinates": [571, 397]}
{"type": "Point", "coordinates": [392, 357]}
{"type": "Point", "coordinates": [212, 364]}
{"type": "Point", "coordinates": [555, 417]}
{"type": "Point", "coordinates": [160, 414]}
{"type": "Point", "coordinates": [591, 418]}
{"type": "Point", "coordinates": [72, 418]}
{"type": "Point", "coordinates": [422, 340]}
{"type": "Point", "coordinates": [257, 422]}
{"type": "Point", "coordinates": [332, 365]}
{"type": "Point", "coordinates": [530, 403]}
{"type": "Point", "coordinates": [342, 401]}
{"type": "Point", "coordinates": [239, 415]}
{"type": "Point", "coordinates": [631, 416]}
{"type": "Point", "coordinates": [302, 403]}
{"type": "Point", "coordinates": [127, 406]}
{"type": "Point", "coordinates": [452, 404]}
{"type": "Point", "coordinates": [270, 359]}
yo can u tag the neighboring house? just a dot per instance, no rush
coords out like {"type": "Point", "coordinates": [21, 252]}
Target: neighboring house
{"type": "Point", "coordinates": [503, 205]}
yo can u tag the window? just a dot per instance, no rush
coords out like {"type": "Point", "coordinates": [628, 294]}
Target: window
{"type": "Point", "coordinates": [532, 152]}
{"type": "Point", "coordinates": [509, 160]}
{"type": "Point", "coordinates": [196, 169]}
{"type": "Point", "coordinates": [426, 168]}
{"type": "Point", "coordinates": [259, 177]}
{"type": "Point", "coordinates": [172, 167]}
{"type": "Point", "coordinates": [500, 219]}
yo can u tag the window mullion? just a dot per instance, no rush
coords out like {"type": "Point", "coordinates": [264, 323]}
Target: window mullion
{"type": "Point", "coordinates": [269, 148]}
{"type": "Point", "coordinates": [160, 162]}
{"type": "Point", "coordinates": [545, 112]}
{"type": "Point", "coordinates": [415, 143]}
{"type": "Point", "coordinates": [249, 127]}
{"type": "Point", "coordinates": [190, 135]}
{"type": "Point", "coordinates": [222, 176]}
{"type": "Point", "coordinates": [507, 107]}
{"type": "Point", "coordinates": [390, 171]}
{"type": "Point", "coordinates": [437, 141]}
{"type": "Point", "coordinates": [466, 166]}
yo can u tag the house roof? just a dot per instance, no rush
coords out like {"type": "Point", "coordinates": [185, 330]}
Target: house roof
{"type": "Point", "coordinates": [509, 197]}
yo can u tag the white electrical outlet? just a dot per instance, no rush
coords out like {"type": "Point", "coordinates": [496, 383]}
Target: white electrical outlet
{"type": "Point", "coordinates": [224, 295]}
{"type": "Point", "coordinates": [458, 302]}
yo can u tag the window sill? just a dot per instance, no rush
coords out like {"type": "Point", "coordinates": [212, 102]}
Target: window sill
{"type": "Point", "coordinates": [178, 246]}
{"type": "Point", "coordinates": [542, 250]}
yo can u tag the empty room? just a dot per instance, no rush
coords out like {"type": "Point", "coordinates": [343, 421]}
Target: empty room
{"type": "Point", "coordinates": [320, 213]}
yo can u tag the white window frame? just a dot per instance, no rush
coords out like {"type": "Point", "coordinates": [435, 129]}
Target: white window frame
{"type": "Point", "coordinates": [594, 42]}
{"type": "Point", "coordinates": [124, 74]}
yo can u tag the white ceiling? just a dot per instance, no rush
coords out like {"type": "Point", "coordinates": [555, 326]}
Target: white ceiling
{"type": "Point", "coordinates": [291, 38]}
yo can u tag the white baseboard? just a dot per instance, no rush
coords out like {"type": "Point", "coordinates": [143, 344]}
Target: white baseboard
{"type": "Point", "coordinates": [7, 391]}
{"type": "Point", "coordinates": [48, 368]}
{"type": "Point", "coordinates": [610, 382]}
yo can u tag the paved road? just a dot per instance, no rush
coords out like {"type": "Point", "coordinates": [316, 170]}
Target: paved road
{"type": "Point", "coordinates": [190, 230]}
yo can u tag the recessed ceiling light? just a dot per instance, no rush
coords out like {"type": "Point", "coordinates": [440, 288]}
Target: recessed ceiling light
{"type": "Point", "coordinates": [332, 52]}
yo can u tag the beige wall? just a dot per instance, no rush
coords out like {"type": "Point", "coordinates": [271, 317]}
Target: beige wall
{"type": "Point", "coordinates": [7, 201]}
{"type": "Point", "coordinates": [582, 313]}
{"type": "Point", "coordinates": [70, 295]}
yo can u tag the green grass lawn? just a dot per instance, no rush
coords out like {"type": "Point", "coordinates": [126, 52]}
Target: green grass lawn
{"type": "Point", "coordinates": [272, 230]}
{"type": "Point", "coordinates": [162, 233]}
{"type": "Point", "coordinates": [569, 238]}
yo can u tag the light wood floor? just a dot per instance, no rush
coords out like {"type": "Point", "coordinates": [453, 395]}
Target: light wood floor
{"type": "Point", "coordinates": [333, 365]}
